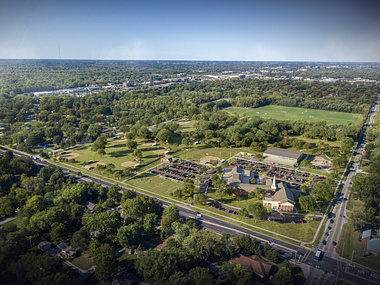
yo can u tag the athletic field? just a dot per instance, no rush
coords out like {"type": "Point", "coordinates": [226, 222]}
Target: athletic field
{"type": "Point", "coordinates": [292, 113]}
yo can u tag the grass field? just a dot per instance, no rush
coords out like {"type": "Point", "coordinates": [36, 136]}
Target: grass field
{"type": "Point", "coordinates": [186, 126]}
{"type": "Point", "coordinates": [351, 241]}
{"type": "Point", "coordinates": [196, 152]}
{"type": "Point", "coordinates": [232, 200]}
{"type": "Point", "coordinates": [117, 153]}
{"type": "Point", "coordinates": [156, 184]}
{"type": "Point", "coordinates": [293, 113]}
{"type": "Point", "coordinates": [84, 261]}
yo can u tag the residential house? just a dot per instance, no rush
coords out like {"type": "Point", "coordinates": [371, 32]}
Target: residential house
{"type": "Point", "coordinates": [372, 241]}
{"type": "Point", "coordinates": [44, 246]}
{"type": "Point", "coordinates": [253, 264]}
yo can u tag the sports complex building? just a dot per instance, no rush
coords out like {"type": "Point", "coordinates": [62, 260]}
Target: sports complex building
{"type": "Point", "coordinates": [282, 156]}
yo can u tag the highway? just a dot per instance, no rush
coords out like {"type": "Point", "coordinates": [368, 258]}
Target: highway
{"type": "Point", "coordinates": [328, 269]}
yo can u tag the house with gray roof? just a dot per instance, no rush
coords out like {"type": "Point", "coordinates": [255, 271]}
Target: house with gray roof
{"type": "Point", "coordinates": [371, 240]}
{"type": "Point", "coordinates": [373, 245]}
{"type": "Point", "coordinates": [282, 156]}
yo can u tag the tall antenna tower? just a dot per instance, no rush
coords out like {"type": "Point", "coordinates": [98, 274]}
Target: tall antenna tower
{"type": "Point", "coordinates": [59, 52]}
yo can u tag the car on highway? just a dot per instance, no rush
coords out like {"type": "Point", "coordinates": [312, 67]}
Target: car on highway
{"type": "Point", "coordinates": [375, 276]}
{"type": "Point", "coordinates": [324, 242]}
{"type": "Point", "coordinates": [332, 221]}
{"type": "Point", "coordinates": [327, 234]}
{"type": "Point", "coordinates": [199, 215]}
{"type": "Point", "coordinates": [271, 243]}
{"type": "Point", "coordinates": [329, 228]}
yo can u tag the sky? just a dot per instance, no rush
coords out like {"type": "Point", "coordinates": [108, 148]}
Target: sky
{"type": "Point", "coordinates": [238, 30]}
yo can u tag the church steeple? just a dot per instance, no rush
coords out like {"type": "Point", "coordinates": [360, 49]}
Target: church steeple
{"type": "Point", "coordinates": [274, 187]}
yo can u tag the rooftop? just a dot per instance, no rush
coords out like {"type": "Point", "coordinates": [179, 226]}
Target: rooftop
{"type": "Point", "coordinates": [374, 245]}
{"type": "Point", "coordinates": [253, 264]}
{"type": "Point", "coordinates": [283, 152]}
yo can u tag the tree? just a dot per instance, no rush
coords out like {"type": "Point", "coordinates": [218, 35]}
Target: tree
{"type": "Point", "coordinates": [346, 144]}
{"type": "Point", "coordinates": [105, 262]}
{"type": "Point", "coordinates": [200, 198]}
{"type": "Point", "coordinates": [59, 233]}
{"type": "Point", "coordinates": [307, 203]}
{"type": "Point", "coordinates": [164, 135]}
{"type": "Point", "coordinates": [137, 153]}
{"type": "Point", "coordinates": [149, 225]}
{"type": "Point", "coordinates": [81, 238]}
{"type": "Point", "coordinates": [35, 203]}
{"type": "Point", "coordinates": [94, 131]}
{"type": "Point", "coordinates": [201, 276]}
{"type": "Point", "coordinates": [285, 276]}
{"type": "Point", "coordinates": [172, 213]}
{"type": "Point", "coordinates": [104, 225]}
{"type": "Point", "coordinates": [188, 187]}
{"type": "Point", "coordinates": [128, 235]}
{"type": "Point", "coordinates": [138, 207]}
{"type": "Point", "coordinates": [131, 144]}
{"type": "Point", "coordinates": [357, 217]}
{"type": "Point", "coordinates": [323, 191]}
{"type": "Point", "coordinates": [257, 210]}
{"type": "Point", "coordinates": [243, 212]}
{"type": "Point", "coordinates": [99, 145]}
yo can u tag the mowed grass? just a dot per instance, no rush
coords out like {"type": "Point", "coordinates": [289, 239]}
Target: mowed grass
{"type": "Point", "coordinates": [117, 153]}
{"type": "Point", "coordinates": [153, 183]}
{"type": "Point", "coordinates": [233, 200]}
{"type": "Point", "coordinates": [301, 232]}
{"type": "Point", "coordinates": [84, 261]}
{"type": "Point", "coordinates": [186, 126]}
{"type": "Point", "coordinates": [196, 152]}
{"type": "Point", "coordinates": [293, 113]}
{"type": "Point", "coordinates": [351, 241]}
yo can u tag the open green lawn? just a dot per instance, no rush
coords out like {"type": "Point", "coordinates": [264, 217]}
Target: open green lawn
{"type": "Point", "coordinates": [117, 153]}
{"type": "Point", "coordinates": [302, 232]}
{"type": "Point", "coordinates": [293, 113]}
{"type": "Point", "coordinates": [196, 152]}
{"type": "Point", "coordinates": [232, 200]}
{"type": "Point", "coordinates": [84, 261]}
{"type": "Point", "coordinates": [155, 184]}
{"type": "Point", "coordinates": [186, 126]}
{"type": "Point", "coordinates": [315, 141]}
{"type": "Point", "coordinates": [351, 241]}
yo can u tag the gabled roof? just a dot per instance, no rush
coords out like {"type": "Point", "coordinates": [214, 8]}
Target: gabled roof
{"type": "Point", "coordinates": [374, 245]}
{"type": "Point", "coordinates": [253, 264]}
{"type": "Point", "coordinates": [283, 152]}
{"type": "Point", "coordinates": [367, 233]}
{"type": "Point", "coordinates": [284, 195]}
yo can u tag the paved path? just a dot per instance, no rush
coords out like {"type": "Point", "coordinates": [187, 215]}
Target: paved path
{"type": "Point", "coordinates": [8, 220]}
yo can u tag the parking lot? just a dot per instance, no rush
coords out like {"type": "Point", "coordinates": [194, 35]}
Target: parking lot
{"type": "Point", "coordinates": [294, 178]}
{"type": "Point", "coordinates": [185, 169]}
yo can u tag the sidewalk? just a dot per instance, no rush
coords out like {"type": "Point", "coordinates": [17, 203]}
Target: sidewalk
{"type": "Point", "coordinates": [8, 220]}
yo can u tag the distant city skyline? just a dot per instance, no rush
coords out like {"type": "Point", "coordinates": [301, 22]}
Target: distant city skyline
{"type": "Point", "coordinates": [241, 30]}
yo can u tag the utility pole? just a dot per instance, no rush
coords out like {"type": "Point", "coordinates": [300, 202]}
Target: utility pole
{"type": "Point", "coordinates": [352, 256]}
